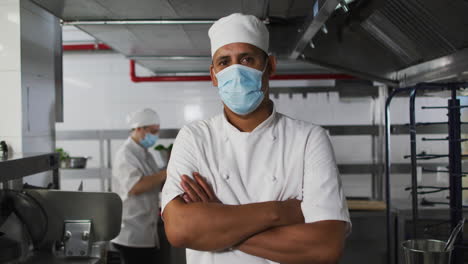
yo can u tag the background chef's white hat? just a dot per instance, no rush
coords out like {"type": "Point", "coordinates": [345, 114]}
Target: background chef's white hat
{"type": "Point", "coordinates": [143, 117]}
{"type": "Point", "coordinates": [238, 28]}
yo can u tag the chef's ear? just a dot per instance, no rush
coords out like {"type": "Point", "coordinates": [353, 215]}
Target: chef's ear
{"type": "Point", "coordinates": [213, 76]}
{"type": "Point", "coordinates": [272, 65]}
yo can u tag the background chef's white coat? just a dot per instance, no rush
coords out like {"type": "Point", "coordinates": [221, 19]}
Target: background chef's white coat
{"type": "Point", "coordinates": [140, 213]}
{"type": "Point", "coordinates": [281, 159]}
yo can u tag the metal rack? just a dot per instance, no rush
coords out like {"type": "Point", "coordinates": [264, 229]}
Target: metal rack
{"type": "Point", "coordinates": [454, 168]}
{"type": "Point", "coordinates": [376, 168]}
{"type": "Point", "coordinates": [20, 165]}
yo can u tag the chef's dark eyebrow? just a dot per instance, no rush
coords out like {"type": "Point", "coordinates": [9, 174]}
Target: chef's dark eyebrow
{"type": "Point", "coordinates": [253, 54]}
{"type": "Point", "coordinates": [241, 55]}
{"type": "Point", "coordinates": [247, 54]}
{"type": "Point", "coordinates": [221, 58]}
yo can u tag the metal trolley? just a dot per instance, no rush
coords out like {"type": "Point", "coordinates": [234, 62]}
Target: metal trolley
{"type": "Point", "coordinates": [454, 156]}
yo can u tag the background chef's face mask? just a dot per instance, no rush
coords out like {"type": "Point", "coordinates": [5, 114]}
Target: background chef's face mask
{"type": "Point", "coordinates": [240, 88]}
{"type": "Point", "coordinates": [149, 140]}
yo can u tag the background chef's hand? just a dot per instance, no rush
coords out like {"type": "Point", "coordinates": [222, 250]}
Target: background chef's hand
{"type": "Point", "coordinates": [163, 175]}
{"type": "Point", "coordinates": [197, 190]}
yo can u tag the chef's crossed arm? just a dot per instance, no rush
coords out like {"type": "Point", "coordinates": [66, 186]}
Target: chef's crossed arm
{"type": "Point", "coordinates": [274, 230]}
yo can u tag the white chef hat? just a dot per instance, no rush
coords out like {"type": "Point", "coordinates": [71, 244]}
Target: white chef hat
{"type": "Point", "coordinates": [238, 28]}
{"type": "Point", "coordinates": [142, 117]}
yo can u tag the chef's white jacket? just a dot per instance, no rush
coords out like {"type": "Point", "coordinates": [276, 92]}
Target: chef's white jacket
{"type": "Point", "coordinates": [281, 159]}
{"type": "Point", "coordinates": [140, 213]}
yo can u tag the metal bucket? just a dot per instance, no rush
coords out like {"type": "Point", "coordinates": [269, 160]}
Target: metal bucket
{"type": "Point", "coordinates": [425, 251]}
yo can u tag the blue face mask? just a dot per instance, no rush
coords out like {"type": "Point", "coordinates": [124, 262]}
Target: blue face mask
{"type": "Point", "coordinates": [149, 140]}
{"type": "Point", "coordinates": [240, 88]}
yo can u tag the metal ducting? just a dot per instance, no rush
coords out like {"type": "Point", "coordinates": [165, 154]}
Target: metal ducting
{"type": "Point", "coordinates": [382, 39]}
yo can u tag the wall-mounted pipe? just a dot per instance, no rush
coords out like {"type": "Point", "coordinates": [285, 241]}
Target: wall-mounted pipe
{"type": "Point", "coordinates": [80, 47]}
{"type": "Point", "coordinates": [188, 78]}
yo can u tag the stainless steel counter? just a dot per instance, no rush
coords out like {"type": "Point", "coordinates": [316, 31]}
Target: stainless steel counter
{"type": "Point", "coordinates": [48, 258]}
{"type": "Point", "coordinates": [19, 165]}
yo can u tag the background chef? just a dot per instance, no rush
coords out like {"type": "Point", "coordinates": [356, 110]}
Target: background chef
{"type": "Point", "coordinates": [138, 180]}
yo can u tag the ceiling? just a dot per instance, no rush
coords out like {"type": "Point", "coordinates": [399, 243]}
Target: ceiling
{"type": "Point", "coordinates": [177, 48]}
{"type": "Point", "coordinates": [70, 10]}
{"type": "Point", "coordinates": [392, 41]}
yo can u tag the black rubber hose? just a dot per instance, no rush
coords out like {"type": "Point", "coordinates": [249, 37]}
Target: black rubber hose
{"type": "Point", "coordinates": [29, 211]}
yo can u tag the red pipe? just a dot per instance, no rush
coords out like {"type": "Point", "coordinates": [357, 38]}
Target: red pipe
{"type": "Point", "coordinates": [188, 78]}
{"type": "Point", "coordinates": [78, 47]}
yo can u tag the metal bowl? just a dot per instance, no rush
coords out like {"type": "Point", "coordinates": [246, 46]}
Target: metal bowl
{"type": "Point", "coordinates": [78, 162]}
{"type": "Point", "coordinates": [74, 163]}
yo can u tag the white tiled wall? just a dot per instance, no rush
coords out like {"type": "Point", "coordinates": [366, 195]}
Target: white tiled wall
{"type": "Point", "coordinates": [10, 94]}
{"type": "Point", "coordinates": [10, 38]}
{"type": "Point", "coordinates": [99, 93]}
{"type": "Point", "coordinates": [28, 38]}
{"type": "Point", "coordinates": [10, 73]}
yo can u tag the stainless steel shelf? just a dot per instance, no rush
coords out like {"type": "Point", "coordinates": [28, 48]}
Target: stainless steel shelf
{"type": "Point", "coordinates": [343, 91]}
{"type": "Point", "coordinates": [338, 130]}
{"type": "Point", "coordinates": [352, 130]}
{"type": "Point", "coordinates": [104, 175]}
{"type": "Point", "coordinates": [430, 129]}
{"type": "Point", "coordinates": [107, 134]}
{"type": "Point", "coordinates": [87, 173]}
{"type": "Point", "coordinates": [397, 168]}
{"type": "Point", "coordinates": [334, 130]}
{"type": "Point", "coordinates": [21, 165]}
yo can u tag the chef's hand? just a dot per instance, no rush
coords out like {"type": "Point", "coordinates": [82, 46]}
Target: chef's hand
{"type": "Point", "coordinates": [197, 190]}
